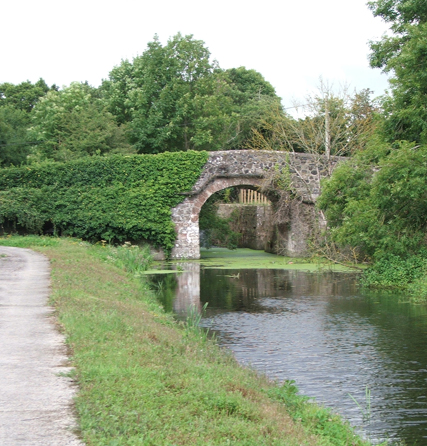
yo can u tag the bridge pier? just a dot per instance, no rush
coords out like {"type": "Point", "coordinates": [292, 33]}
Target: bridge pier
{"type": "Point", "coordinates": [186, 219]}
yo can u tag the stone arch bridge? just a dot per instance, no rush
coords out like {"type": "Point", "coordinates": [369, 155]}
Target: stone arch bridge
{"type": "Point", "coordinates": [225, 169]}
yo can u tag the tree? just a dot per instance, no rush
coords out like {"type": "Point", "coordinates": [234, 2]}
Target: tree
{"type": "Point", "coordinates": [155, 93]}
{"type": "Point", "coordinates": [25, 95]}
{"type": "Point", "coordinates": [377, 202]}
{"type": "Point", "coordinates": [14, 148]}
{"type": "Point", "coordinates": [16, 103]}
{"type": "Point", "coordinates": [72, 123]}
{"type": "Point", "coordinates": [335, 123]}
{"type": "Point", "coordinates": [249, 84]}
{"type": "Point", "coordinates": [253, 99]}
{"type": "Point", "coordinates": [174, 98]}
{"type": "Point", "coordinates": [403, 55]}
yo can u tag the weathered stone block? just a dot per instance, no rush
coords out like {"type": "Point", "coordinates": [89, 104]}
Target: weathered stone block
{"type": "Point", "coordinates": [245, 168]}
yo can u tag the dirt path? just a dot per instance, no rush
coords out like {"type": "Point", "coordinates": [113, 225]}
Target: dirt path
{"type": "Point", "coordinates": [35, 403]}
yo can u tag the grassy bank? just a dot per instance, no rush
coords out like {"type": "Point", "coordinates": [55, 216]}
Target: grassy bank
{"type": "Point", "coordinates": [146, 380]}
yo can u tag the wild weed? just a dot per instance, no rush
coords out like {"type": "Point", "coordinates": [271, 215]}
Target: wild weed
{"type": "Point", "coordinates": [192, 323]}
{"type": "Point", "coordinates": [366, 412]}
{"type": "Point", "coordinates": [319, 420]}
{"type": "Point", "coordinates": [132, 258]}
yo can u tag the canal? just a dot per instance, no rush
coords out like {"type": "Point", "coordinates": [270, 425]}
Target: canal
{"type": "Point", "coordinates": [361, 353]}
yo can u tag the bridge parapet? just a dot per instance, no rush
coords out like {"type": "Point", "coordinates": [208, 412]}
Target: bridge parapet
{"type": "Point", "coordinates": [306, 170]}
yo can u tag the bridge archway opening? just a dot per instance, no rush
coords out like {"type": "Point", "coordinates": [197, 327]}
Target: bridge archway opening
{"type": "Point", "coordinates": [225, 219]}
{"type": "Point", "coordinates": [186, 215]}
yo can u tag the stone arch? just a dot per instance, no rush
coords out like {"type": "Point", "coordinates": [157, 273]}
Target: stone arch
{"type": "Point", "coordinates": [186, 215]}
{"type": "Point", "coordinates": [229, 168]}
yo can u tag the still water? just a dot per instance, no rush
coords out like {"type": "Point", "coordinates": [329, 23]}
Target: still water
{"type": "Point", "coordinates": [363, 354]}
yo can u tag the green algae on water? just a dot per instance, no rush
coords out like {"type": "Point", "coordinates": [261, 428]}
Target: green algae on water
{"type": "Point", "coordinates": [245, 258]}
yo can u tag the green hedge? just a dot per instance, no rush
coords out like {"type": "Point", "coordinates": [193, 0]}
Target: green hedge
{"type": "Point", "coordinates": [116, 199]}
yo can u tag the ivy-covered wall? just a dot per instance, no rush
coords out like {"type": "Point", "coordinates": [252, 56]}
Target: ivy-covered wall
{"type": "Point", "coordinates": [116, 199]}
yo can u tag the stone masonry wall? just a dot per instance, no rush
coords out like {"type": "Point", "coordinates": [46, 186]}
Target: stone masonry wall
{"type": "Point", "coordinates": [254, 222]}
{"type": "Point", "coordinates": [306, 169]}
{"type": "Point", "coordinates": [244, 168]}
{"type": "Point", "coordinates": [186, 216]}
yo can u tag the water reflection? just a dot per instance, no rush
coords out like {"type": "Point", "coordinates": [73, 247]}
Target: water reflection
{"type": "Point", "coordinates": [188, 288]}
{"type": "Point", "coordinates": [321, 331]}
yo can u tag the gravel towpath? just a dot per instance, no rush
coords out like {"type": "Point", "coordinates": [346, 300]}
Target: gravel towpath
{"type": "Point", "coordinates": [35, 400]}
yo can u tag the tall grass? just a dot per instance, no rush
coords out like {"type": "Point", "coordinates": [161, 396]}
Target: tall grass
{"type": "Point", "coordinates": [132, 258]}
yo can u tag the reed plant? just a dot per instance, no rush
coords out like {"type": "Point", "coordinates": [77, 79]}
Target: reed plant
{"type": "Point", "coordinates": [366, 409]}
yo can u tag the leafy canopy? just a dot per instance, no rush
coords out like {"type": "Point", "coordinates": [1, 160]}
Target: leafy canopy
{"type": "Point", "coordinates": [13, 133]}
{"type": "Point", "coordinates": [74, 123]}
{"type": "Point", "coordinates": [16, 104]}
{"type": "Point", "coordinates": [377, 201]}
{"type": "Point", "coordinates": [403, 55]}
{"type": "Point", "coordinates": [174, 98]}
{"type": "Point", "coordinates": [23, 96]}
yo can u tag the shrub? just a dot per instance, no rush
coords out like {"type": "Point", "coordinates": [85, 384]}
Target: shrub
{"type": "Point", "coordinates": [394, 271]}
{"type": "Point", "coordinates": [117, 198]}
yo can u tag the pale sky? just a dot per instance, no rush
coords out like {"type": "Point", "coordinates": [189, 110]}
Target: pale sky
{"type": "Point", "coordinates": [291, 43]}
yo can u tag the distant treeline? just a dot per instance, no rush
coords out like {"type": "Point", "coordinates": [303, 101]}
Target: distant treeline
{"type": "Point", "coordinates": [171, 98]}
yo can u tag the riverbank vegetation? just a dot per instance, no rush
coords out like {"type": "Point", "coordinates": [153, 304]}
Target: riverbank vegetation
{"type": "Point", "coordinates": [145, 379]}
{"type": "Point", "coordinates": [376, 202]}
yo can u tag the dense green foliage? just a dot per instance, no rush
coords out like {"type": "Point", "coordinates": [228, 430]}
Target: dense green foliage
{"type": "Point", "coordinates": [174, 98]}
{"type": "Point", "coordinates": [74, 123]}
{"type": "Point", "coordinates": [117, 198]}
{"type": "Point", "coordinates": [16, 104]}
{"type": "Point", "coordinates": [13, 132]}
{"type": "Point", "coordinates": [170, 98]}
{"type": "Point", "coordinates": [396, 271]}
{"type": "Point", "coordinates": [217, 230]}
{"type": "Point", "coordinates": [403, 53]}
{"type": "Point", "coordinates": [23, 96]}
{"type": "Point", "coordinates": [378, 202]}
